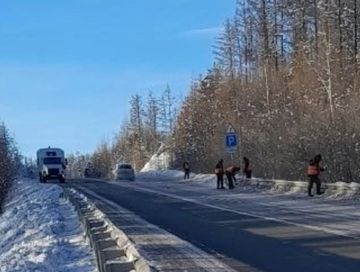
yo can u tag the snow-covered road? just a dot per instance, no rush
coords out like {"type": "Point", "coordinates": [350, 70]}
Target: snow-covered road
{"type": "Point", "coordinates": [40, 231]}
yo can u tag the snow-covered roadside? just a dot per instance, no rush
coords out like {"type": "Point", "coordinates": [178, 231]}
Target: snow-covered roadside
{"type": "Point", "coordinates": [173, 175]}
{"type": "Point", "coordinates": [338, 190]}
{"type": "Point", "coordinates": [154, 170]}
{"type": "Point", "coordinates": [208, 180]}
{"type": "Point", "coordinates": [40, 231]}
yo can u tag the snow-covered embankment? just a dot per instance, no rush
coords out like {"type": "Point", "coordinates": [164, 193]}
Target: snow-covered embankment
{"type": "Point", "coordinates": [337, 190]}
{"type": "Point", "coordinates": [158, 169]}
{"type": "Point", "coordinates": [40, 231]}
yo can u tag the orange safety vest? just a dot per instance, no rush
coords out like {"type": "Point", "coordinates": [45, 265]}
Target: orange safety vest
{"type": "Point", "coordinates": [312, 170]}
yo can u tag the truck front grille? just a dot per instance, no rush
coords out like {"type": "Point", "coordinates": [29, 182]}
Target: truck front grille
{"type": "Point", "coordinates": [53, 172]}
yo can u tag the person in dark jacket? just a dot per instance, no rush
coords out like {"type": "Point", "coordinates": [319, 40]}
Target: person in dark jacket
{"type": "Point", "coordinates": [247, 171]}
{"type": "Point", "coordinates": [186, 167]}
{"type": "Point", "coordinates": [219, 172]}
{"type": "Point", "coordinates": [313, 173]}
{"type": "Point", "coordinates": [230, 173]}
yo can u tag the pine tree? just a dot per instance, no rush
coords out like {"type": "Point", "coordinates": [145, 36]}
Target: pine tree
{"type": "Point", "coordinates": [227, 50]}
{"type": "Point", "coordinates": [151, 125]}
{"type": "Point", "coordinates": [167, 110]}
{"type": "Point", "coordinates": [10, 162]}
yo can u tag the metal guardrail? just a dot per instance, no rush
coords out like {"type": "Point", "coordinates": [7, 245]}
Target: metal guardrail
{"type": "Point", "coordinates": [114, 251]}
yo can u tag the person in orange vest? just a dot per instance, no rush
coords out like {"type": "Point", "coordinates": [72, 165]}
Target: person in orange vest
{"type": "Point", "coordinates": [313, 172]}
{"type": "Point", "coordinates": [230, 173]}
{"type": "Point", "coordinates": [219, 172]}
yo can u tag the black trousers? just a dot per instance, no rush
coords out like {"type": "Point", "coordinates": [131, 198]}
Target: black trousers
{"type": "Point", "coordinates": [220, 181]}
{"type": "Point", "coordinates": [231, 180]}
{"type": "Point", "coordinates": [316, 180]}
{"type": "Point", "coordinates": [187, 174]}
{"type": "Point", "coordinates": [248, 174]}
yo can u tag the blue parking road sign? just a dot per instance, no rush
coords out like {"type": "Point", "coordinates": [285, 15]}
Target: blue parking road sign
{"type": "Point", "coordinates": [231, 142]}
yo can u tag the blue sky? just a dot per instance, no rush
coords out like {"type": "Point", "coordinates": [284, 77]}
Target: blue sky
{"type": "Point", "coordinates": [69, 67]}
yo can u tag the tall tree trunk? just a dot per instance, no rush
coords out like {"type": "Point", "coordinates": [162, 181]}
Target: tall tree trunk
{"type": "Point", "coordinates": [276, 35]}
{"type": "Point", "coordinates": [340, 22]}
{"type": "Point", "coordinates": [265, 30]}
{"type": "Point", "coordinates": [316, 26]}
{"type": "Point", "coordinates": [355, 31]}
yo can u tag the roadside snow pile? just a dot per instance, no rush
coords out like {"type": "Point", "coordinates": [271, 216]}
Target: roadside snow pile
{"type": "Point", "coordinates": [338, 190]}
{"type": "Point", "coordinates": [40, 231]}
{"type": "Point", "coordinates": [161, 174]}
{"type": "Point", "coordinates": [205, 179]}
{"type": "Point", "coordinates": [344, 190]}
{"type": "Point", "coordinates": [159, 161]}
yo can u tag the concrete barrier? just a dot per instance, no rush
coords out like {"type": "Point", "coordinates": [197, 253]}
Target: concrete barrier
{"type": "Point", "coordinates": [113, 249]}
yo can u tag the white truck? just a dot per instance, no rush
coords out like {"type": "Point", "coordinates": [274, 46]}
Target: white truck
{"type": "Point", "coordinates": [51, 164]}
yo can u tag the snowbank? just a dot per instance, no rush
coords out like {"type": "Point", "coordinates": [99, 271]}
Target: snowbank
{"type": "Point", "coordinates": [333, 190]}
{"type": "Point", "coordinates": [159, 161]}
{"type": "Point", "coordinates": [40, 231]}
{"type": "Point", "coordinates": [165, 174]}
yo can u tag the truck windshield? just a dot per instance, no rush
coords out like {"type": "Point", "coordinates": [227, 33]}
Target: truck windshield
{"type": "Point", "coordinates": [52, 160]}
{"type": "Point", "coordinates": [124, 166]}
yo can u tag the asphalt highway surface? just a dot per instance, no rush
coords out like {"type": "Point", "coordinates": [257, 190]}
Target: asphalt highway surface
{"type": "Point", "coordinates": [237, 237]}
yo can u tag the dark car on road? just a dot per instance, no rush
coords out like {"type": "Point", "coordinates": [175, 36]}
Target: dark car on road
{"type": "Point", "coordinates": [124, 171]}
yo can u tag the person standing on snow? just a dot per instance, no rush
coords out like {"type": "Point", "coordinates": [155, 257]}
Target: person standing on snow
{"type": "Point", "coordinates": [219, 172]}
{"type": "Point", "coordinates": [247, 171]}
{"type": "Point", "coordinates": [230, 173]}
{"type": "Point", "coordinates": [313, 172]}
{"type": "Point", "coordinates": [186, 167]}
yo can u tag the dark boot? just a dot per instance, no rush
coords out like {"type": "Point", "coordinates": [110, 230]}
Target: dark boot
{"type": "Point", "coordinates": [318, 187]}
{"type": "Point", "coordinates": [222, 182]}
{"type": "Point", "coordinates": [311, 182]}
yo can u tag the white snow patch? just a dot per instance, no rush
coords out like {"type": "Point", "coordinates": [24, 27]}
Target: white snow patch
{"type": "Point", "coordinates": [337, 190]}
{"type": "Point", "coordinates": [164, 174]}
{"type": "Point", "coordinates": [40, 231]}
{"type": "Point", "coordinates": [159, 161]}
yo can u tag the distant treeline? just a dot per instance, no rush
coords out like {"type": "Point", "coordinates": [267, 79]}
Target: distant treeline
{"type": "Point", "coordinates": [10, 162]}
{"type": "Point", "coordinates": [151, 122]}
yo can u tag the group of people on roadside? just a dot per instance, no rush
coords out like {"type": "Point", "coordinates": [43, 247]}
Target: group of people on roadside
{"type": "Point", "coordinates": [313, 171]}
{"type": "Point", "coordinates": [230, 173]}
